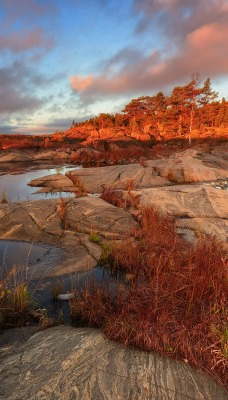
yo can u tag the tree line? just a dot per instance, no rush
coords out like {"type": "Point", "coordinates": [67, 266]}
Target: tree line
{"type": "Point", "coordinates": [188, 108]}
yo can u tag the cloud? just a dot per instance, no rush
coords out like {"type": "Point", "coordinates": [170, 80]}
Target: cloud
{"type": "Point", "coordinates": [13, 101]}
{"type": "Point", "coordinates": [21, 41]}
{"type": "Point", "coordinates": [79, 83]}
{"type": "Point", "coordinates": [24, 25]}
{"type": "Point", "coordinates": [196, 33]}
{"type": "Point", "coordinates": [177, 18]}
{"type": "Point", "coordinates": [26, 10]}
{"type": "Point", "coordinates": [16, 83]}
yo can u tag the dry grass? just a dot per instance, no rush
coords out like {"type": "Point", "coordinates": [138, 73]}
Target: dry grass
{"type": "Point", "coordinates": [118, 199]}
{"type": "Point", "coordinates": [4, 199]}
{"type": "Point", "coordinates": [114, 197]}
{"type": "Point", "coordinates": [15, 300]}
{"type": "Point", "coordinates": [62, 210]}
{"type": "Point", "coordinates": [79, 185]}
{"type": "Point", "coordinates": [175, 301]}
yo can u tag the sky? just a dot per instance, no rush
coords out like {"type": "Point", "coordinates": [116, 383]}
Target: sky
{"type": "Point", "coordinates": [64, 60]}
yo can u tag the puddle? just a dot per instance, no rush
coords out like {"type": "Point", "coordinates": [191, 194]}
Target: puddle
{"type": "Point", "coordinates": [15, 185]}
{"type": "Point", "coordinates": [77, 281]}
{"type": "Point", "coordinates": [34, 260]}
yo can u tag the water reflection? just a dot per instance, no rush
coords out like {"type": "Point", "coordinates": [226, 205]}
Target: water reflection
{"type": "Point", "coordinates": [15, 185]}
{"type": "Point", "coordinates": [31, 259]}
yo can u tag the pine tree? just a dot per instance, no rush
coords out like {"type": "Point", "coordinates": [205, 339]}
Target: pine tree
{"type": "Point", "coordinates": [208, 95]}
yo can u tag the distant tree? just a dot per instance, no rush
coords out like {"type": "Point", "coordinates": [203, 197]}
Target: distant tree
{"type": "Point", "coordinates": [183, 102]}
{"type": "Point", "coordinates": [221, 118]}
{"type": "Point", "coordinates": [105, 120]}
{"type": "Point", "coordinates": [208, 95]}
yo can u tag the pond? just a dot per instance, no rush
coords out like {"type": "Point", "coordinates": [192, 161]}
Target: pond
{"type": "Point", "coordinates": [14, 181]}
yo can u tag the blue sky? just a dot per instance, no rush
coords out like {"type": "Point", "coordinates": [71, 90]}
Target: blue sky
{"type": "Point", "coordinates": [72, 59]}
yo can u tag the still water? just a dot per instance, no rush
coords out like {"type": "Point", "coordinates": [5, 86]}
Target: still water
{"type": "Point", "coordinates": [14, 184]}
{"type": "Point", "coordinates": [33, 263]}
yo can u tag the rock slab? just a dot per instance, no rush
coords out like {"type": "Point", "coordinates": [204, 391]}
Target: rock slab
{"type": "Point", "coordinates": [80, 363]}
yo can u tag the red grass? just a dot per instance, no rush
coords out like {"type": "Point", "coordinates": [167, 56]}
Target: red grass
{"type": "Point", "coordinates": [176, 300]}
{"type": "Point", "coordinates": [114, 197]}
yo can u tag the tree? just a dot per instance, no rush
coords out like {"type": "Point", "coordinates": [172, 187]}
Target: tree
{"type": "Point", "coordinates": [208, 95]}
{"type": "Point", "coordinates": [183, 102]}
{"type": "Point", "coordinates": [221, 118]}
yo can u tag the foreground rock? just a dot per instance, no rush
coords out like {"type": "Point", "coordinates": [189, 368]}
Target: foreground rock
{"type": "Point", "coordinates": [66, 224]}
{"type": "Point", "coordinates": [80, 363]}
{"type": "Point", "coordinates": [197, 209]}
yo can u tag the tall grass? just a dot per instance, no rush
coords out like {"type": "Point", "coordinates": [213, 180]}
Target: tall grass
{"type": "Point", "coordinates": [15, 300]}
{"type": "Point", "coordinates": [175, 301]}
{"type": "Point", "coordinates": [3, 198]}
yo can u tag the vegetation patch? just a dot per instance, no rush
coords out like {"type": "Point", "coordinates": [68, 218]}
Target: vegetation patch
{"type": "Point", "coordinates": [15, 301]}
{"type": "Point", "coordinates": [173, 300]}
{"type": "Point", "coordinates": [94, 237]}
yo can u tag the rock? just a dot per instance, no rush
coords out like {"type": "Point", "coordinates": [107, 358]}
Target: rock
{"type": "Point", "coordinates": [14, 156]}
{"type": "Point", "coordinates": [45, 155]}
{"type": "Point", "coordinates": [57, 181]}
{"type": "Point", "coordinates": [193, 166]}
{"type": "Point", "coordinates": [199, 208]}
{"type": "Point", "coordinates": [65, 296]}
{"type": "Point", "coordinates": [86, 155]}
{"type": "Point", "coordinates": [67, 226]}
{"type": "Point", "coordinates": [119, 177]}
{"type": "Point", "coordinates": [80, 363]}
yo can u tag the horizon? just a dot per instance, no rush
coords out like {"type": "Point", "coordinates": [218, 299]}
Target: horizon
{"type": "Point", "coordinates": [72, 61]}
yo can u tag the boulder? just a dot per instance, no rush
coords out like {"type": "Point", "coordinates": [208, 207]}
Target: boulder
{"type": "Point", "coordinates": [57, 181]}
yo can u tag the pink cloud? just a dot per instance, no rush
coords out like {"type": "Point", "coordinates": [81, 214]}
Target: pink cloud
{"type": "Point", "coordinates": [204, 50]}
{"type": "Point", "coordinates": [20, 41]}
{"type": "Point", "coordinates": [79, 83]}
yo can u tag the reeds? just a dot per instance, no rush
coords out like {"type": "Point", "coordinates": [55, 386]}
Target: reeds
{"type": "Point", "coordinates": [15, 300]}
{"type": "Point", "coordinates": [3, 199]}
{"type": "Point", "coordinates": [80, 190]}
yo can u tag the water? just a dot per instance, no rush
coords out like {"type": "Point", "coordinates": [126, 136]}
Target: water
{"type": "Point", "coordinates": [69, 283]}
{"type": "Point", "coordinates": [33, 262]}
{"type": "Point", "coordinates": [15, 184]}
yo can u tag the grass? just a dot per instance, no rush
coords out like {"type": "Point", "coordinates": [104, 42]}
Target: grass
{"type": "Point", "coordinates": [62, 210]}
{"type": "Point", "coordinates": [114, 197]}
{"type": "Point", "coordinates": [118, 199]}
{"type": "Point", "coordinates": [15, 301]}
{"type": "Point", "coordinates": [94, 237]}
{"type": "Point", "coordinates": [4, 199]}
{"type": "Point", "coordinates": [175, 301]}
{"type": "Point", "coordinates": [80, 187]}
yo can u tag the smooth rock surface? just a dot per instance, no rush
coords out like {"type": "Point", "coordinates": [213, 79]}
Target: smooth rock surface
{"type": "Point", "coordinates": [199, 208]}
{"type": "Point", "coordinates": [80, 363]}
{"type": "Point", "coordinates": [183, 167]}
{"type": "Point", "coordinates": [41, 221]}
